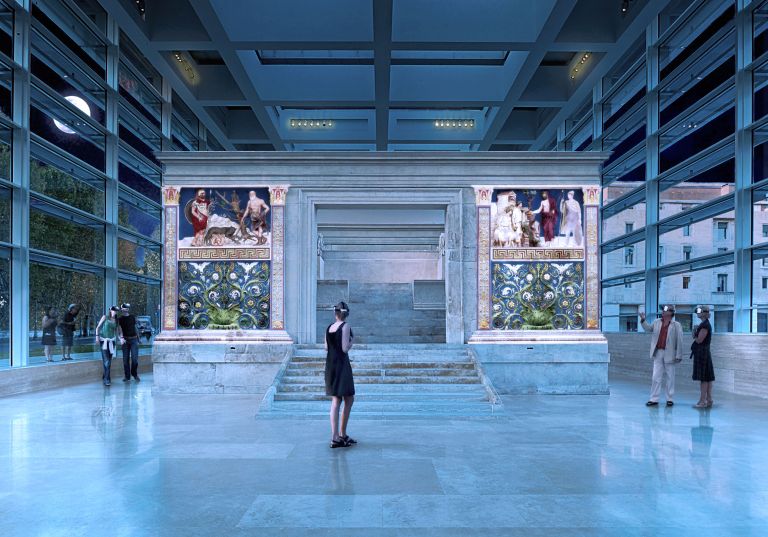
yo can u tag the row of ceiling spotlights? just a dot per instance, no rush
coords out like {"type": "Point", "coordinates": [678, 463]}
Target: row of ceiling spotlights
{"type": "Point", "coordinates": [582, 61]}
{"type": "Point", "coordinates": [455, 123]}
{"type": "Point", "coordinates": [311, 123]}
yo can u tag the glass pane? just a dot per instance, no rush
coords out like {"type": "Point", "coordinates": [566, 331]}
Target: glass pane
{"type": "Point", "coordinates": [670, 14]}
{"type": "Point", "coordinates": [760, 217]}
{"type": "Point", "coordinates": [760, 154]}
{"type": "Point", "coordinates": [79, 188]}
{"type": "Point", "coordinates": [616, 225]}
{"type": "Point", "coordinates": [137, 174]}
{"type": "Point", "coordinates": [70, 35]}
{"type": "Point", "coordinates": [706, 126]}
{"type": "Point", "coordinates": [139, 130]}
{"type": "Point", "coordinates": [135, 91]}
{"type": "Point", "coordinates": [760, 25]}
{"type": "Point", "coordinates": [711, 286]}
{"type": "Point", "coordinates": [760, 291]}
{"type": "Point", "coordinates": [707, 237]}
{"type": "Point", "coordinates": [5, 214]}
{"type": "Point", "coordinates": [57, 124]}
{"type": "Point", "coordinates": [699, 80]}
{"type": "Point", "coordinates": [5, 153]}
{"type": "Point", "coordinates": [760, 99]}
{"type": "Point", "coordinates": [184, 126]}
{"type": "Point", "coordinates": [624, 260]}
{"type": "Point", "coordinates": [630, 168]}
{"type": "Point", "coordinates": [630, 93]}
{"type": "Point", "coordinates": [699, 28]}
{"type": "Point", "coordinates": [131, 54]}
{"type": "Point", "coordinates": [137, 258]}
{"type": "Point", "coordinates": [6, 29]}
{"type": "Point", "coordinates": [621, 303]}
{"type": "Point", "coordinates": [51, 291]}
{"type": "Point", "coordinates": [582, 137]}
{"type": "Point", "coordinates": [64, 235]}
{"type": "Point", "coordinates": [625, 64]}
{"type": "Point", "coordinates": [5, 309]}
{"type": "Point", "coordinates": [61, 73]}
{"type": "Point", "coordinates": [139, 216]}
{"type": "Point", "coordinates": [6, 94]}
{"type": "Point", "coordinates": [700, 188]}
{"type": "Point", "coordinates": [145, 305]}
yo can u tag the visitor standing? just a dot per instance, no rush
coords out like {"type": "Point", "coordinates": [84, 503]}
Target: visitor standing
{"type": "Point", "coordinates": [666, 352]}
{"type": "Point", "coordinates": [50, 321]}
{"type": "Point", "coordinates": [703, 369]}
{"type": "Point", "coordinates": [339, 383]}
{"type": "Point", "coordinates": [67, 330]}
{"type": "Point", "coordinates": [129, 339]}
{"type": "Point", "coordinates": [106, 333]}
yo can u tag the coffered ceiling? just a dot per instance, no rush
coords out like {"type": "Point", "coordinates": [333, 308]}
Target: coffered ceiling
{"type": "Point", "coordinates": [384, 74]}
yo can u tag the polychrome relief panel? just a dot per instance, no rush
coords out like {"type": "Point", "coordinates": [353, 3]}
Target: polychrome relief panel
{"type": "Point", "coordinates": [538, 296]}
{"type": "Point", "coordinates": [224, 295]}
{"type": "Point", "coordinates": [537, 224]}
{"type": "Point", "coordinates": [224, 223]}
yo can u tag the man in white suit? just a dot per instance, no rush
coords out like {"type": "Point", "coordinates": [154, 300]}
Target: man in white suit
{"type": "Point", "coordinates": [666, 352]}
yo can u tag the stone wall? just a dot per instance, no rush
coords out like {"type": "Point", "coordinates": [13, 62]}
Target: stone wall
{"type": "Point", "coordinates": [383, 312]}
{"type": "Point", "coordinates": [46, 377]}
{"type": "Point", "coordinates": [740, 360]}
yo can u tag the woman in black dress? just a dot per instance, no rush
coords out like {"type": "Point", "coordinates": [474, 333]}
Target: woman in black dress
{"type": "Point", "coordinates": [703, 370]}
{"type": "Point", "coordinates": [338, 375]}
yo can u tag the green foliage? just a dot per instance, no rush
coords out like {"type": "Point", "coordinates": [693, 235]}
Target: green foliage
{"type": "Point", "coordinates": [223, 319]}
{"type": "Point", "coordinates": [64, 237]}
{"type": "Point", "coordinates": [52, 286]}
{"type": "Point", "coordinates": [64, 187]}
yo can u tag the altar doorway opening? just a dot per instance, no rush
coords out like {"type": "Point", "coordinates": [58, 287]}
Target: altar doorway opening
{"type": "Point", "coordinates": [388, 264]}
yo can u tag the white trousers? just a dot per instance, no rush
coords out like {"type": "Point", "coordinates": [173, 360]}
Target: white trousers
{"type": "Point", "coordinates": [660, 368]}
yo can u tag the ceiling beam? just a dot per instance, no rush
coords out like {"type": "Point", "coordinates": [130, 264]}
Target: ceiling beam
{"type": "Point", "coordinates": [382, 54]}
{"type": "Point", "coordinates": [555, 22]}
{"type": "Point", "coordinates": [228, 53]}
{"type": "Point", "coordinates": [136, 30]}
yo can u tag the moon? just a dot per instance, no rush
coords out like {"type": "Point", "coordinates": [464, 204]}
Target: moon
{"type": "Point", "coordinates": [81, 105]}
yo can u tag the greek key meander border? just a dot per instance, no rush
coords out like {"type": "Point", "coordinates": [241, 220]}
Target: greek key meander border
{"type": "Point", "coordinates": [536, 254]}
{"type": "Point", "coordinates": [223, 254]}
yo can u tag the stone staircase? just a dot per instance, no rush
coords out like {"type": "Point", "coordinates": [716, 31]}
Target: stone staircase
{"type": "Point", "coordinates": [389, 380]}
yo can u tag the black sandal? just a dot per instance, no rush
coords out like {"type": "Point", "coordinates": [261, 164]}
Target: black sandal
{"type": "Point", "coordinates": [338, 443]}
{"type": "Point", "coordinates": [348, 440]}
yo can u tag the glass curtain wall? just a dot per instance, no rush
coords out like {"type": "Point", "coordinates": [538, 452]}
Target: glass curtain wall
{"type": "Point", "coordinates": [685, 191]}
{"type": "Point", "coordinates": [80, 198]}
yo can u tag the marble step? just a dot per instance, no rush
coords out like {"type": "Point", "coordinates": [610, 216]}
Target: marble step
{"type": "Point", "coordinates": [365, 389]}
{"type": "Point", "coordinates": [392, 347]}
{"type": "Point", "coordinates": [378, 379]}
{"type": "Point", "coordinates": [387, 407]}
{"type": "Point", "coordinates": [383, 397]}
{"type": "Point", "coordinates": [319, 361]}
{"type": "Point", "coordinates": [360, 353]}
{"type": "Point", "coordinates": [384, 371]}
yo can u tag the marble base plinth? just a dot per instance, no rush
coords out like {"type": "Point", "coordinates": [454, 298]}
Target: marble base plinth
{"type": "Point", "coordinates": [547, 362]}
{"type": "Point", "coordinates": [219, 362]}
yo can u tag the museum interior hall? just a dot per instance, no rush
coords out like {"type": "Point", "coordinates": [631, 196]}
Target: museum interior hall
{"type": "Point", "coordinates": [383, 268]}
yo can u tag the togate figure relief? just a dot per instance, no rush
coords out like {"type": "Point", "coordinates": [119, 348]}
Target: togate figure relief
{"type": "Point", "coordinates": [537, 219]}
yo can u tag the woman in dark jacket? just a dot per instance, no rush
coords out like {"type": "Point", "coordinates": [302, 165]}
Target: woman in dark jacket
{"type": "Point", "coordinates": [703, 370]}
{"type": "Point", "coordinates": [338, 375]}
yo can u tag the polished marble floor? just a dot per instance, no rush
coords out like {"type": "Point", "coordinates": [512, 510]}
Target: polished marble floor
{"type": "Point", "coordinates": [89, 461]}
